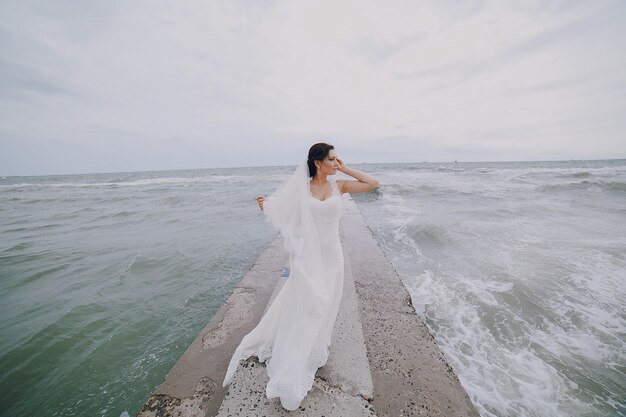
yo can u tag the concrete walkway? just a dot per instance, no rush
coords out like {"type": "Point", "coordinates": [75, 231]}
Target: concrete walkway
{"type": "Point", "coordinates": [382, 360]}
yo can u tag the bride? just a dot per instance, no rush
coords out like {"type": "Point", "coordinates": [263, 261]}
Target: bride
{"type": "Point", "coordinates": [294, 334]}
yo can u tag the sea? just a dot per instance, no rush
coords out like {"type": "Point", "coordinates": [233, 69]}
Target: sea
{"type": "Point", "coordinates": [517, 268]}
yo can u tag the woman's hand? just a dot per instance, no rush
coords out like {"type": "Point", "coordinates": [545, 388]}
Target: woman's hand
{"type": "Point", "coordinates": [260, 200]}
{"type": "Point", "coordinates": [342, 165]}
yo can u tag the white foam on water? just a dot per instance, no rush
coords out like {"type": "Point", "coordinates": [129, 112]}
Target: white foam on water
{"type": "Point", "coordinates": [143, 182]}
{"type": "Point", "coordinates": [502, 376]}
{"type": "Point", "coordinates": [420, 289]}
{"type": "Point", "coordinates": [528, 307]}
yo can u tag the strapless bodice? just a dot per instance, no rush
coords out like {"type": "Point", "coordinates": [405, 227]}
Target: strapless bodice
{"type": "Point", "coordinates": [329, 210]}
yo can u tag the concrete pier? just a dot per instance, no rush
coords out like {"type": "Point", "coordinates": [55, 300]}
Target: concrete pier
{"type": "Point", "coordinates": [382, 362]}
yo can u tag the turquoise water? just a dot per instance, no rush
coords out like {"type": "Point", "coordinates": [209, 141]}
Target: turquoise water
{"type": "Point", "coordinates": [518, 268]}
{"type": "Point", "coordinates": [106, 279]}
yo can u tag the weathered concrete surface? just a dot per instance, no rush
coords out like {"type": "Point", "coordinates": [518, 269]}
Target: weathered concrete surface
{"type": "Point", "coordinates": [194, 385]}
{"type": "Point", "coordinates": [341, 388]}
{"type": "Point", "coordinates": [378, 341]}
{"type": "Point", "coordinates": [247, 397]}
{"type": "Point", "coordinates": [411, 376]}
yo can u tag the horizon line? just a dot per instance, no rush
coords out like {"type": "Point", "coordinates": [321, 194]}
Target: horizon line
{"type": "Point", "coordinates": [2, 176]}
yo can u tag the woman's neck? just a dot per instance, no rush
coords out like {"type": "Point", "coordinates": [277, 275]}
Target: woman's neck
{"type": "Point", "coordinates": [320, 179]}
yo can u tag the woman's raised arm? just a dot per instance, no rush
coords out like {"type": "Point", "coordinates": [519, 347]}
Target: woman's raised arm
{"type": "Point", "coordinates": [364, 183]}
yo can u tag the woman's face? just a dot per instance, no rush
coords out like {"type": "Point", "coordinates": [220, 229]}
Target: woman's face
{"type": "Point", "coordinates": [328, 165]}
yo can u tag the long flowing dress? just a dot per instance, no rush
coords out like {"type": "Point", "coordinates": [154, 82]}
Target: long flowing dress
{"type": "Point", "coordinates": [294, 335]}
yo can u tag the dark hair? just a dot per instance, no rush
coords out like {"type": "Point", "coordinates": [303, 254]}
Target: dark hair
{"type": "Point", "coordinates": [317, 152]}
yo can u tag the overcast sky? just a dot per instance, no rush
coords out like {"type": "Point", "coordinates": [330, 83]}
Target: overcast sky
{"type": "Point", "coordinates": [110, 86]}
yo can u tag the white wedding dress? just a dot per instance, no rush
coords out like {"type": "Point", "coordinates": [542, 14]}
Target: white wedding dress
{"type": "Point", "coordinates": [294, 334]}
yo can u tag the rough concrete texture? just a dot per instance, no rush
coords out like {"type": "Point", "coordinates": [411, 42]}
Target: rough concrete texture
{"type": "Point", "coordinates": [378, 341]}
{"type": "Point", "coordinates": [160, 405]}
{"type": "Point", "coordinates": [411, 376]}
{"type": "Point", "coordinates": [341, 387]}
{"type": "Point", "coordinates": [246, 397]}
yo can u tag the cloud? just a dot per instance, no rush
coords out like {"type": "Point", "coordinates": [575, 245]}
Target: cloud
{"type": "Point", "coordinates": [378, 51]}
{"type": "Point", "coordinates": [132, 85]}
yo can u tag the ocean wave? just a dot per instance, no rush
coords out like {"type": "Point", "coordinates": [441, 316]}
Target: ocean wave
{"type": "Point", "coordinates": [449, 169]}
{"type": "Point", "coordinates": [185, 181]}
{"type": "Point", "coordinates": [124, 213]}
{"type": "Point", "coordinates": [432, 234]}
{"type": "Point", "coordinates": [594, 185]}
{"type": "Point", "coordinates": [405, 188]}
{"type": "Point", "coordinates": [531, 174]}
{"type": "Point", "coordinates": [114, 183]}
{"type": "Point", "coordinates": [19, 246]}
{"type": "Point", "coordinates": [581, 174]}
{"type": "Point", "coordinates": [410, 186]}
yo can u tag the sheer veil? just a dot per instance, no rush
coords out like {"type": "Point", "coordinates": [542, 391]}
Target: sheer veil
{"type": "Point", "coordinates": [288, 209]}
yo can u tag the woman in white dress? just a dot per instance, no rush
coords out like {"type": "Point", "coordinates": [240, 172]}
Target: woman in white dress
{"type": "Point", "coordinates": [294, 334]}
